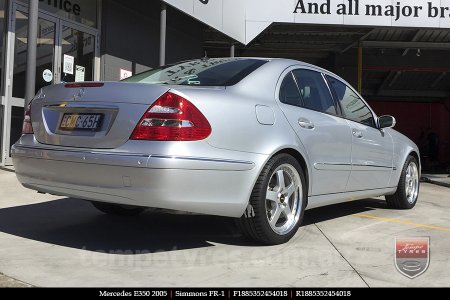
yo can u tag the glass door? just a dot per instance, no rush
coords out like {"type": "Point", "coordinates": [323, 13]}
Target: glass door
{"type": "Point", "coordinates": [16, 65]}
{"type": "Point", "coordinates": [66, 52]}
{"type": "Point", "coordinates": [77, 54]}
{"type": "Point", "coordinates": [45, 54]}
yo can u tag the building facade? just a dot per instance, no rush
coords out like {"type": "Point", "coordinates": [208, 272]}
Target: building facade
{"type": "Point", "coordinates": [395, 52]}
{"type": "Point", "coordinates": [83, 40]}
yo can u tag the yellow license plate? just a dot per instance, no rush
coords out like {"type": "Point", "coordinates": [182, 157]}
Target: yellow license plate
{"type": "Point", "coordinates": [81, 122]}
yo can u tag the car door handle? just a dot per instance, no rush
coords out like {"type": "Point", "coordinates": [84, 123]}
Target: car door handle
{"type": "Point", "coordinates": [357, 134]}
{"type": "Point", "coordinates": [305, 123]}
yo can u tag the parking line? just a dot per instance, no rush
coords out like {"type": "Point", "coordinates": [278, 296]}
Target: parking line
{"type": "Point", "coordinates": [402, 222]}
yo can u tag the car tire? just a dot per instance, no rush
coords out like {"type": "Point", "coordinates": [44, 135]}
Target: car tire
{"type": "Point", "coordinates": [277, 203]}
{"type": "Point", "coordinates": [408, 187]}
{"type": "Point", "coordinates": [117, 209]}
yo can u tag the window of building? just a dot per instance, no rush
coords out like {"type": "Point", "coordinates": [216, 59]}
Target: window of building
{"type": "Point", "coordinates": [45, 53]}
{"type": "Point", "coordinates": [353, 107]}
{"type": "Point", "coordinates": [314, 91]}
{"type": "Point", "coordinates": [81, 46]}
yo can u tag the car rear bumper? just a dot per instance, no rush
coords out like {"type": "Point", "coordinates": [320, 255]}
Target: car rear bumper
{"type": "Point", "coordinates": [193, 184]}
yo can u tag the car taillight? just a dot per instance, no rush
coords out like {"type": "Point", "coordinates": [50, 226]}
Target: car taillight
{"type": "Point", "coordinates": [172, 118]}
{"type": "Point", "coordinates": [27, 127]}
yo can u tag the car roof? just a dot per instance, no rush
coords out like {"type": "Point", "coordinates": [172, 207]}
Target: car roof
{"type": "Point", "coordinates": [284, 63]}
{"type": "Point", "coordinates": [290, 62]}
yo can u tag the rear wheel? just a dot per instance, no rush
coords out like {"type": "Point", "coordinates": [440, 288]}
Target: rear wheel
{"type": "Point", "coordinates": [277, 203]}
{"type": "Point", "coordinates": [408, 187]}
{"type": "Point", "coordinates": [117, 209]}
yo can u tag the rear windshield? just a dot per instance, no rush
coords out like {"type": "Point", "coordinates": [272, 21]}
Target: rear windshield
{"type": "Point", "coordinates": [201, 72]}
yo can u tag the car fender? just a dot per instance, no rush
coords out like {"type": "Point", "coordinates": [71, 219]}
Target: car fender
{"type": "Point", "coordinates": [403, 147]}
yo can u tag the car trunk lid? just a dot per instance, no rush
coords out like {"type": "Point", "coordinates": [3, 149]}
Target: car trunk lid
{"type": "Point", "coordinates": [91, 115]}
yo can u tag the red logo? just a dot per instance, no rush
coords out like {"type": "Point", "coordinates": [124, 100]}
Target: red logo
{"type": "Point", "coordinates": [412, 256]}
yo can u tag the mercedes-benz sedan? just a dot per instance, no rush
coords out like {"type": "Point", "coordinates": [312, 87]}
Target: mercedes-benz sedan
{"type": "Point", "coordinates": [260, 140]}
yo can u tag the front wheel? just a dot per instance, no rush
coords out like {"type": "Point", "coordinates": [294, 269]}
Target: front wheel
{"type": "Point", "coordinates": [277, 202]}
{"type": "Point", "coordinates": [117, 209]}
{"type": "Point", "coordinates": [408, 187]}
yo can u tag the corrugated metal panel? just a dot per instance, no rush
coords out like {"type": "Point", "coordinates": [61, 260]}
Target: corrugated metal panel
{"type": "Point", "coordinates": [391, 34]}
{"type": "Point", "coordinates": [414, 81]}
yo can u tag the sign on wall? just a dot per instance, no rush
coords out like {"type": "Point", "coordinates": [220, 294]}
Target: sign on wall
{"type": "Point", "coordinates": [80, 73]}
{"type": "Point", "coordinates": [82, 11]}
{"type": "Point", "coordinates": [244, 20]}
{"type": "Point", "coordinates": [68, 64]}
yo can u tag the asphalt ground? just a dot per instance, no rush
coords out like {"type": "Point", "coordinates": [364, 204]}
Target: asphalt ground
{"type": "Point", "coordinates": [49, 241]}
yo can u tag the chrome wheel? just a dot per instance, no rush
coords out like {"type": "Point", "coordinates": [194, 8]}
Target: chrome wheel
{"type": "Point", "coordinates": [277, 202]}
{"type": "Point", "coordinates": [412, 182]}
{"type": "Point", "coordinates": [408, 186]}
{"type": "Point", "coordinates": [284, 199]}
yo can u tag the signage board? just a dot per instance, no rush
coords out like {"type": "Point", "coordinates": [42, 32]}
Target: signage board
{"type": "Point", "coordinates": [244, 20]}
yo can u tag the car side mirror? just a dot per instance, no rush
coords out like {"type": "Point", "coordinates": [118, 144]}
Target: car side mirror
{"type": "Point", "coordinates": [387, 122]}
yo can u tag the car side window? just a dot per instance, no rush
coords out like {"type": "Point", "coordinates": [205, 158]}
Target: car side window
{"type": "Point", "coordinates": [353, 107]}
{"type": "Point", "coordinates": [289, 93]}
{"type": "Point", "coordinates": [314, 91]}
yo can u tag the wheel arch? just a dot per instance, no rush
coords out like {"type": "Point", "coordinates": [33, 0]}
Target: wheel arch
{"type": "Point", "coordinates": [416, 155]}
{"type": "Point", "coordinates": [301, 160]}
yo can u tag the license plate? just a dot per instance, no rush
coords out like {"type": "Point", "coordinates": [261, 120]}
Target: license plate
{"type": "Point", "coordinates": [81, 122]}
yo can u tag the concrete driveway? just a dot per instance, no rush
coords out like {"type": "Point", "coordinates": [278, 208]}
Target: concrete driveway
{"type": "Point", "coordinates": [60, 242]}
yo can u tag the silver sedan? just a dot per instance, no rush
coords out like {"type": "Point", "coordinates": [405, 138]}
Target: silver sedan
{"type": "Point", "coordinates": [260, 140]}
